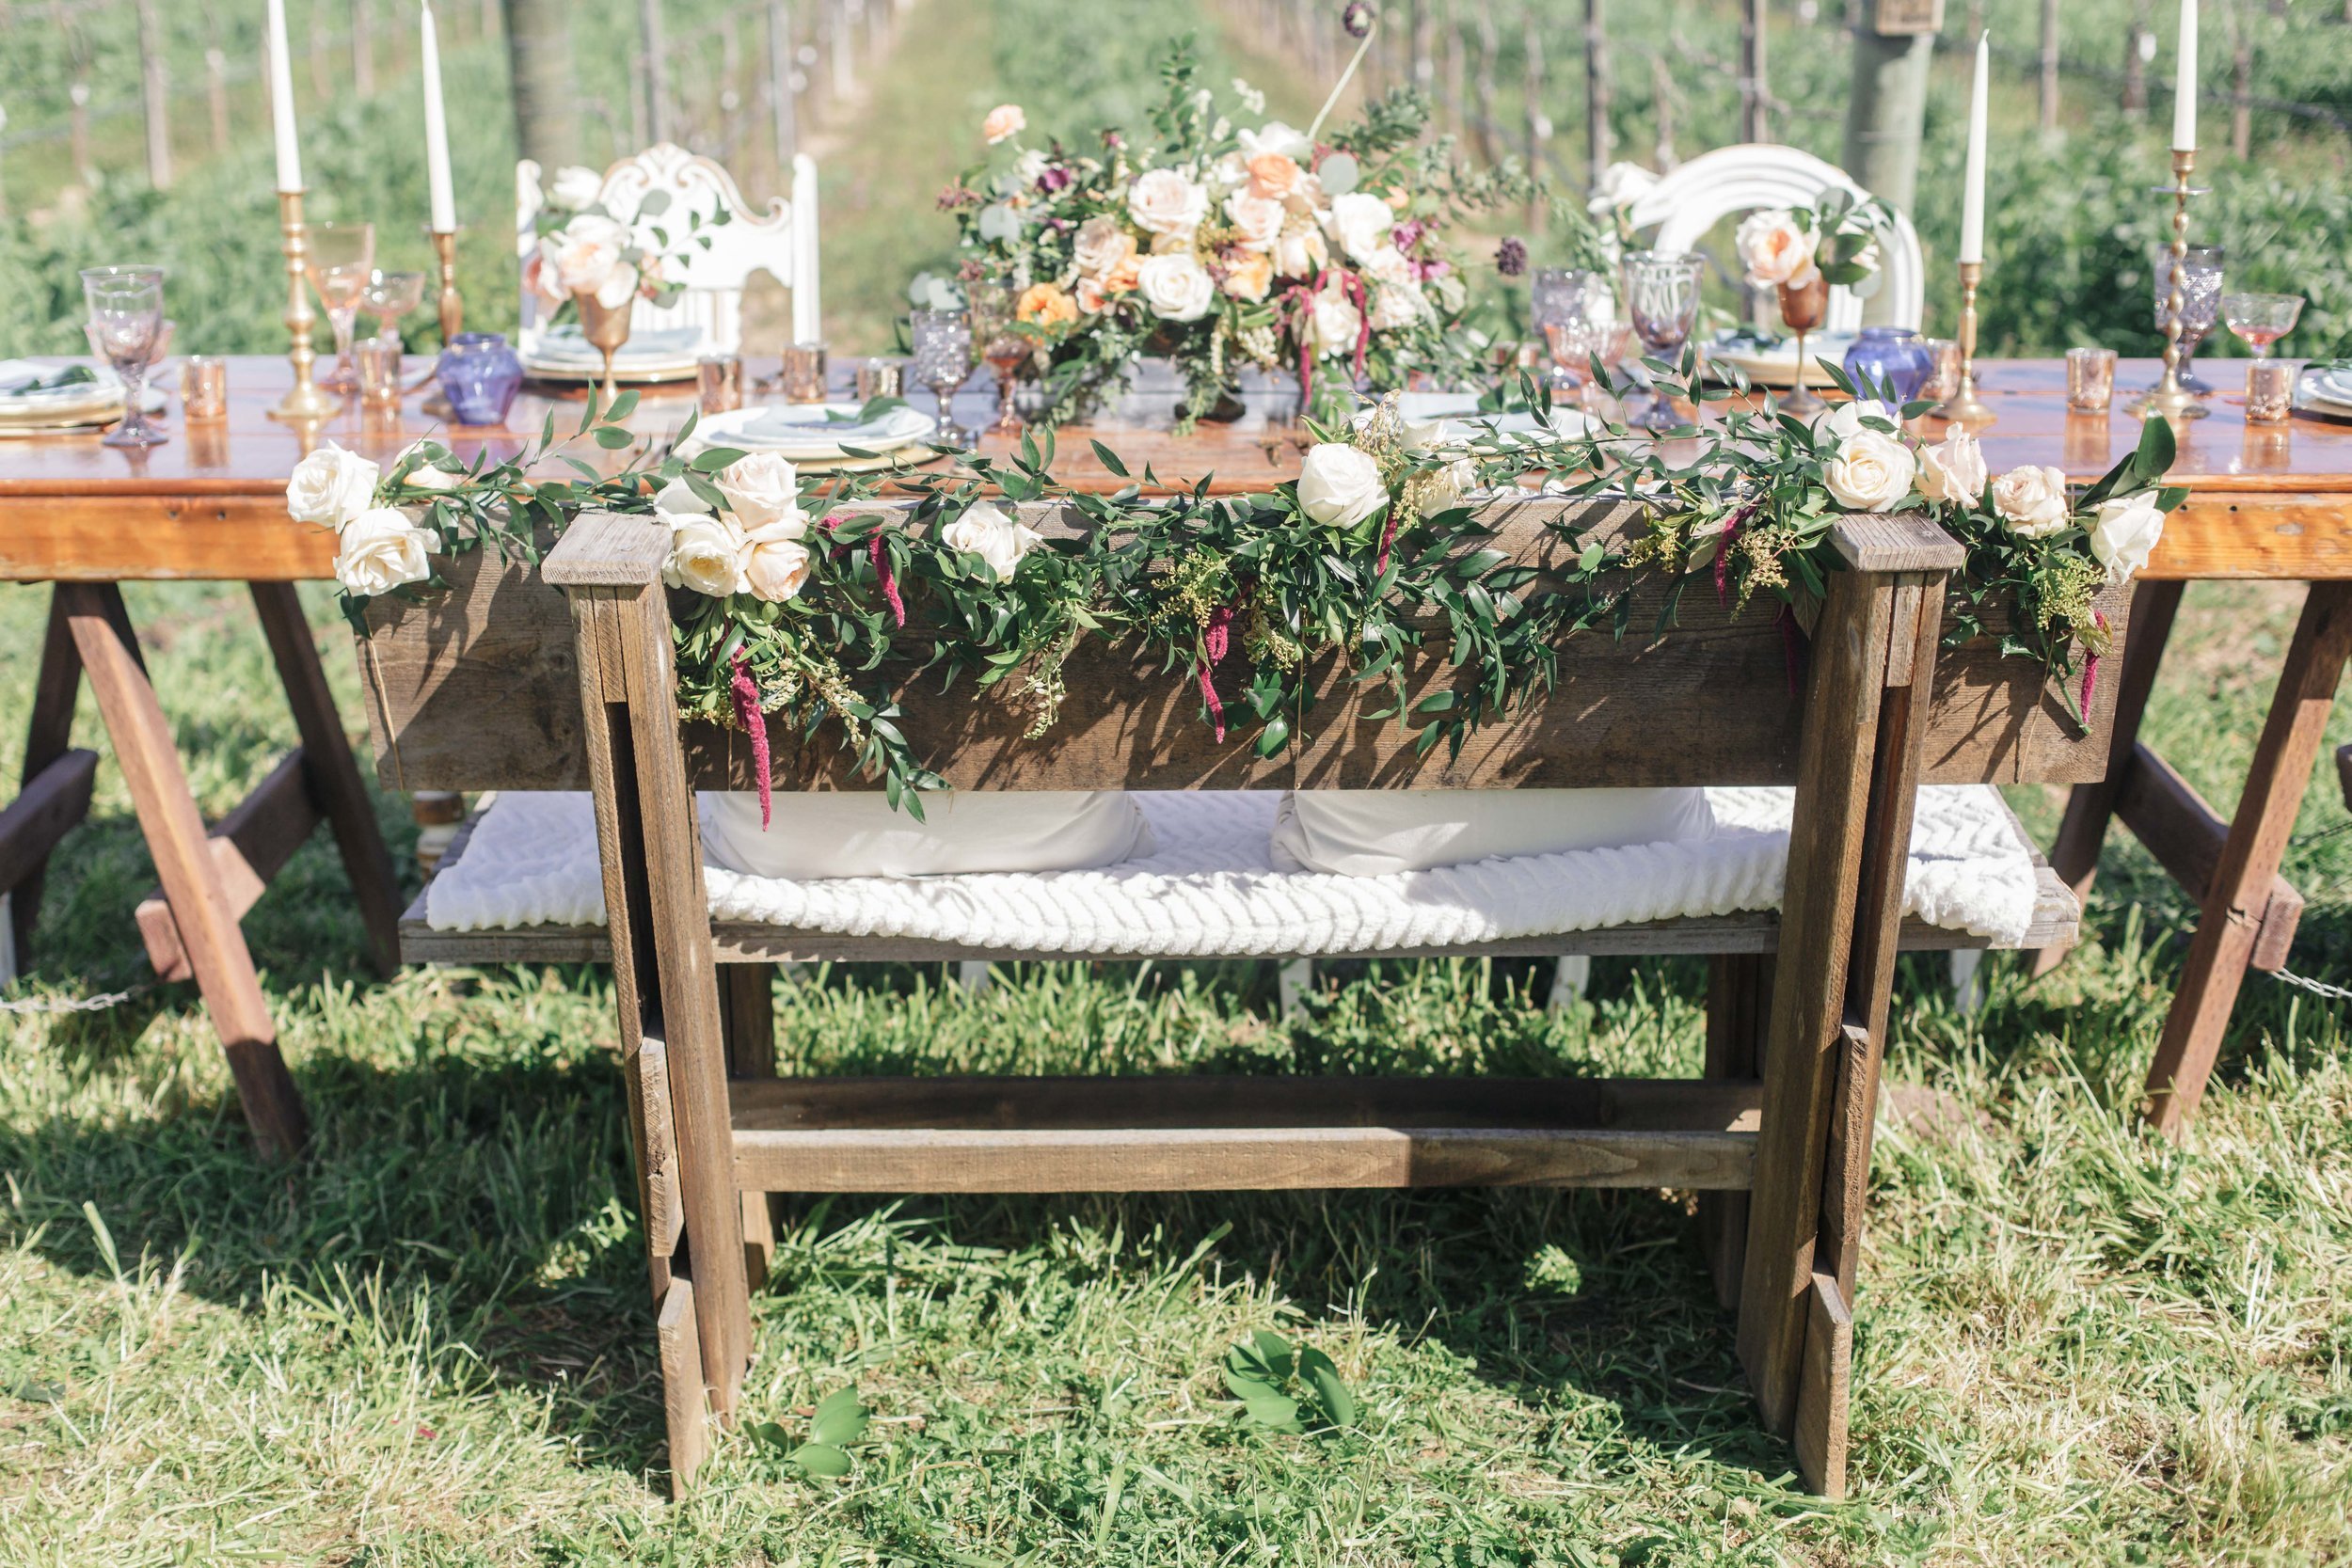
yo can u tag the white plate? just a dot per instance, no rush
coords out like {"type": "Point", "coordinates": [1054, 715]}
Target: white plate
{"type": "Point", "coordinates": [55, 405]}
{"type": "Point", "coordinates": [1460, 422]}
{"type": "Point", "coordinates": [814, 432]}
{"type": "Point", "coordinates": [1775, 364]}
{"type": "Point", "coordinates": [667, 345]}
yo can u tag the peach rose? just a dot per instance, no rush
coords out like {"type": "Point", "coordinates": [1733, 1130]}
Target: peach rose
{"type": "Point", "coordinates": [1045, 304]}
{"type": "Point", "coordinates": [1273, 176]}
{"type": "Point", "coordinates": [1101, 246]}
{"type": "Point", "coordinates": [1248, 274]}
{"type": "Point", "coordinates": [1005, 120]}
{"type": "Point", "coordinates": [1123, 277]}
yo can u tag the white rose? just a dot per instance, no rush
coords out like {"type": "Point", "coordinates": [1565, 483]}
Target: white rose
{"type": "Point", "coordinates": [2124, 533]}
{"type": "Point", "coordinates": [619, 285]}
{"type": "Point", "coordinates": [678, 499]}
{"type": "Point", "coordinates": [1621, 185]}
{"type": "Point", "coordinates": [1394, 306]}
{"type": "Point", "coordinates": [1274, 136]}
{"type": "Point", "coordinates": [1361, 223]}
{"type": "Point", "coordinates": [2032, 498]}
{"type": "Point", "coordinates": [763, 488]}
{"type": "Point", "coordinates": [706, 554]}
{"type": "Point", "coordinates": [576, 186]}
{"type": "Point", "coordinates": [986, 530]}
{"type": "Point", "coordinates": [1335, 323]}
{"type": "Point", "coordinates": [1871, 473]}
{"type": "Point", "coordinates": [1841, 422]}
{"type": "Point", "coordinates": [1165, 202]}
{"type": "Point", "coordinates": [579, 257]}
{"type": "Point", "coordinates": [1101, 245]}
{"type": "Point", "coordinates": [1434, 490]}
{"type": "Point", "coordinates": [1177, 287]}
{"type": "Point", "coordinates": [1774, 249]}
{"type": "Point", "coordinates": [330, 486]}
{"type": "Point", "coordinates": [1338, 486]}
{"type": "Point", "coordinates": [424, 476]}
{"type": "Point", "coordinates": [1256, 219]}
{"type": "Point", "coordinates": [380, 550]}
{"type": "Point", "coordinates": [774, 562]}
{"type": "Point", "coordinates": [1953, 472]}
{"type": "Point", "coordinates": [1300, 251]}
{"type": "Point", "coordinates": [1387, 265]}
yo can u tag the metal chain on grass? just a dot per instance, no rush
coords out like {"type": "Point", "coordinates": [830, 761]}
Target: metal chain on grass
{"type": "Point", "coordinates": [2317, 988]}
{"type": "Point", "coordinates": [97, 1003]}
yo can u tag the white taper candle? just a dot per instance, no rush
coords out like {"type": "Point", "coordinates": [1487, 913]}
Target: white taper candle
{"type": "Point", "coordinates": [436, 133]}
{"type": "Point", "coordinates": [1972, 195]}
{"type": "Point", "coordinates": [2185, 93]}
{"type": "Point", "coordinates": [280, 67]}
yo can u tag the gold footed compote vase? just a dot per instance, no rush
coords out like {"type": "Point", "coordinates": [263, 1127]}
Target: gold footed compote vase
{"type": "Point", "coordinates": [1803, 310]}
{"type": "Point", "coordinates": [606, 327]}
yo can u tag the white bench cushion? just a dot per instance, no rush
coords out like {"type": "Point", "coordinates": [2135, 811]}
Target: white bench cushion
{"type": "Point", "coordinates": [963, 833]}
{"type": "Point", "coordinates": [1376, 832]}
{"type": "Point", "coordinates": [1209, 887]}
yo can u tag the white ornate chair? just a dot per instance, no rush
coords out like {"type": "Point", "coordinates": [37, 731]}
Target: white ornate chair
{"type": "Point", "coordinates": [1693, 200]}
{"type": "Point", "coordinates": [782, 242]}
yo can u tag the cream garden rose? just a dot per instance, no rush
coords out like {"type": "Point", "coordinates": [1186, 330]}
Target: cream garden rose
{"type": "Point", "coordinates": [763, 489]}
{"type": "Point", "coordinates": [2123, 534]}
{"type": "Point", "coordinates": [1004, 121]}
{"type": "Point", "coordinates": [1335, 323]}
{"type": "Point", "coordinates": [1101, 246]}
{"type": "Point", "coordinates": [1775, 251]}
{"type": "Point", "coordinates": [575, 186]}
{"type": "Point", "coordinates": [330, 486]}
{"type": "Point", "coordinates": [381, 550]}
{"type": "Point", "coordinates": [581, 257]}
{"type": "Point", "coordinates": [1394, 305]}
{"type": "Point", "coordinates": [1300, 252]}
{"type": "Point", "coordinates": [1165, 202]}
{"type": "Point", "coordinates": [1953, 472]}
{"type": "Point", "coordinates": [1338, 486]}
{"type": "Point", "coordinates": [774, 562]}
{"type": "Point", "coordinates": [990, 533]}
{"type": "Point", "coordinates": [1274, 136]}
{"type": "Point", "coordinates": [1361, 223]}
{"type": "Point", "coordinates": [1257, 220]}
{"type": "Point", "coordinates": [1872, 472]}
{"type": "Point", "coordinates": [706, 554]}
{"type": "Point", "coordinates": [1176, 286]}
{"type": "Point", "coordinates": [2032, 500]}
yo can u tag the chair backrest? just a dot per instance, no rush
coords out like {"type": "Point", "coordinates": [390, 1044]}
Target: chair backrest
{"type": "Point", "coordinates": [782, 242]}
{"type": "Point", "coordinates": [1684, 205]}
{"type": "Point", "coordinates": [480, 690]}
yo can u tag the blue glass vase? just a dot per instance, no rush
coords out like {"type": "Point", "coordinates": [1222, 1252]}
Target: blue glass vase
{"type": "Point", "coordinates": [1889, 354]}
{"type": "Point", "coordinates": [480, 375]}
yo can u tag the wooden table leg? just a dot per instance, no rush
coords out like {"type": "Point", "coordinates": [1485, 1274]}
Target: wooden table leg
{"type": "Point", "coordinates": [2232, 917]}
{"type": "Point", "coordinates": [47, 737]}
{"type": "Point", "coordinates": [334, 773]}
{"type": "Point", "coordinates": [183, 859]}
{"type": "Point", "coordinates": [2091, 806]}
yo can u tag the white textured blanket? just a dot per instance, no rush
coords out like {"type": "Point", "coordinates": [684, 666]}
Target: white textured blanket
{"type": "Point", "coordinates": [1211, 888]}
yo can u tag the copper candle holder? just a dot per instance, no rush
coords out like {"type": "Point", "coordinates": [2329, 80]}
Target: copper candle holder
{"type": "Point", "coordinates": [1964, 407]}
{"type": "Point", "coordinates": [2170, 399]}
{"type": "Point", "coordinates": [303, 401]}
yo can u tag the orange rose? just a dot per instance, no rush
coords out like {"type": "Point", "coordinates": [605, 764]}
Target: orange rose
{"type": "Point", "coordinates": [1272, 175]}
{"type": "Point", "coordinates": [1045, 304]}
{"type": "Point", "coordinates": [1248, 274]}
{"type": "Point", "coordinates": [1122, 278]}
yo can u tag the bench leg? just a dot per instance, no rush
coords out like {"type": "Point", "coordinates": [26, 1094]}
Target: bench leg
{"type": "Point", "coordinates": [748, 1007]}
{"type": "Point", "coordinates": [1858, 770]}
{"type": "Point", "coordinates": [1569, 980]}
{"type": "Point", "coordinates": [2232, 918]}
{"type": "Point", "coordinates": [1739, 1005]}
{"type": "Point", "coordinates": [184, 863]}
{"type": "Point", "coordinates": [2090, 807]}
{"type": "Point", "coordinates": [47, 737]}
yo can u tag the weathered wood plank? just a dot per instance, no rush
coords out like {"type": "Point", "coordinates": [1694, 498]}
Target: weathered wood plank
{"type": "Point", "coordinates": [48, 735]}
{"type": "Point", "coordinates": [1825, 1390]}
{"type": "Point", "coordinates": [2169, 816]}
{"type": "Point", "coordinates": [250, 847]}
{"type": "Point", "coordinates": [664, 1208]}
{"type": "Point", "coordinates": [52, 801]}
{"type": "Point", "coordinates": [1739, 1007]}
{"type": "Point", "coordinates": [1159, 1160]}
{"type": "Point", "coordinates": [1185, 1101]}
{"type": "Point", "coordinates": [684, 1409]}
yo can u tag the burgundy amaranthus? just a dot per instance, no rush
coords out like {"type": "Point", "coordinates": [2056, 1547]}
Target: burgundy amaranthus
{"type": "Point", "coordinates": [1216, 638]}
{"type": "Point", "coordinates": [1511, 257]}
{"type": "Point", "coordinates": [887, 581]}
{"type": "Point", "coordinates": [747, 713]}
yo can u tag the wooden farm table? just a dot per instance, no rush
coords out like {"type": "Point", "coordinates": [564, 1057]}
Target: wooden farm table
{"type": "Point", "coordinates": [2271, 503]}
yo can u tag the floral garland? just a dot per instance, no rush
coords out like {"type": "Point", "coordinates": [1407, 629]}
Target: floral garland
{"type": "Point", "coordinates": [799, 597]}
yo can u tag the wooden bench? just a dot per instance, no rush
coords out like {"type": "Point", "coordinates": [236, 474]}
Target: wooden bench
{"type": "Point", "coordinates": [564, 681]}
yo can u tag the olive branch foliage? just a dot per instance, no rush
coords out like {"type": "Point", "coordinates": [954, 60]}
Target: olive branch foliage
{"type": "Point", "coordinates": [1264, 610]}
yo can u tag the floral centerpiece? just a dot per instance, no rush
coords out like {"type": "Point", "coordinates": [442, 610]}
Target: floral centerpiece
{"type": "Point", "coordinates": [587, 250]}
{"type": "Point", "coordinates": [1801, 251]}
{"type": "Point", "coordinates": [1227, 243]}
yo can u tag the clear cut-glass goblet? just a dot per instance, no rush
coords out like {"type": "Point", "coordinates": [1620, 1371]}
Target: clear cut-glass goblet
{"type": "Point", "coordinates": [2200, 303]}
{"type": "Point", "coordinates": [942, 362]}
{"type": "Point", "coordinates": [127, 329]}
{"type": "Point", "coordinates": [342, 257]}
{"type": "Point", "coordinates": [1663, 297]}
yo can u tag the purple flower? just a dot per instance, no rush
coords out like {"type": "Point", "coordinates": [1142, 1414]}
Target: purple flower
{"type": "Point", "coordinates": [1357, 17]}
{"type": "Point", "coordinates": [1055, 178]}
{"type": "Point", "coordinates": [1407, 235]}
{"type": "Point", "coordinates": [1511, 257]}
{"type": "Point", "coordinates": [1426, 271]}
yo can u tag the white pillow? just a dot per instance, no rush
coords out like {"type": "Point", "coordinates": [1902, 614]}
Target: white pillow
{"type": "Point", "coordinates": [1373, 832]}
{"type": "Point", "coordinates": [815, 836]}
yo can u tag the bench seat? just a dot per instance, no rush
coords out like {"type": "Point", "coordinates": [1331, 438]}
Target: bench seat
{"type": "Point", "coordinates": [1232, 905]}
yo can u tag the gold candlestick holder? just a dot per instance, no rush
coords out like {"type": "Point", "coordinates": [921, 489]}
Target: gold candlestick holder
{"type": "Point", "coordinates": [1964, 407]}
{"type": "Point", "coordinates": [304, 401]}
{"type": "Point", "coordinates": [452, 305]}
{"type": "Point", "coordinates": [2169, 399]}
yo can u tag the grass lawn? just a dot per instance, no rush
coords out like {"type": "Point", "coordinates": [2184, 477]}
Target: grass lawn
{"type": "Point", "coordinates": [431, 1342]}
